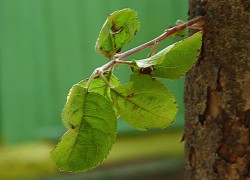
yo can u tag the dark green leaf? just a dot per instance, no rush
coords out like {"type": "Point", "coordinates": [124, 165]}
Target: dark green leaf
{"type": "Point", "coordinates": [145, 103]}
{"type": "Point", "coordinates": [91, 123]}
{"type": "Point", "coordinates": [119, 28]}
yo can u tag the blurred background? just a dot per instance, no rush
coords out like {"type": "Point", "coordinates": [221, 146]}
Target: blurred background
{"type": "Point", "coordinates": [46, 46]}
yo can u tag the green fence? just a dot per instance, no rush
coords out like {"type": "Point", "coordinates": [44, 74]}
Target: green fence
{"type": "Point", "coordinates": [48, 45]}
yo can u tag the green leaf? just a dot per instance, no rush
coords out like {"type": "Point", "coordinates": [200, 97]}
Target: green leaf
{"type": "Point", "coordinates": [180, 59]}
{"type": "Point", "coordinates": [175, 60]}
{"type": "Point", "coordinates": [145, 103]}
{"type": "Point", "coordinates": [118, 30]}
{"type": "Point", "coordinates": [91, 124]}
{"type": "Point", "coordinates": [154, 60]}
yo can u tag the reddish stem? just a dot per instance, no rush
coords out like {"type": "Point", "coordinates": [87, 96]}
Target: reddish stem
{"type": "Point", "coordinates": [118, 57]}
{"type": "Point", "coordinates": [167, 33]}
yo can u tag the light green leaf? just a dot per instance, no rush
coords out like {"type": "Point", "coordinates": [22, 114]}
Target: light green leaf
{"type": "Point", "coordinates": [72, 111]}
{"type": "Point", "coordinates": [91, 124]}
{"type": "Point", "coordinates": [118, 30]}
{"type": "Point", "coordinates": [180, 59]}
{"type": "Point", "coordinates": [154, 60]}
{"type": "Point", "coordinates": [175, 60]}
{"type": "Point", "coordinates": [145, 103]}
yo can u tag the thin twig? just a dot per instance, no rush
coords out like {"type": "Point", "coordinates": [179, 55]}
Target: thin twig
{"type": "Point", "coordinates": [118, 57]}
{"type": "Point", "coordinates": [167, 33]}
{"type": "Point", "coordinates": [105, 80]}
{"type": "Point", "coordinates": [122, 62]}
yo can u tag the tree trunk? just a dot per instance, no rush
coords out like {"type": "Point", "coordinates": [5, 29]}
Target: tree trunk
{"type": "Point", "coordinates": [217, 94]}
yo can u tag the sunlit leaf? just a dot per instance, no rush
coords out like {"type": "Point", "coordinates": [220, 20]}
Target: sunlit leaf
{"type": "Point", "coordinates": [145, 103]}
{"type": "Point", "coordinates": [175, 60]}
{"type": "Point", "coordinates": [180, 59]}
{"type": "Point", "coordinates": [91, 123]}
{"type": "Point", "coordinates": [154, 60]}
{"type": "Point", "coordinates": [119, 28]}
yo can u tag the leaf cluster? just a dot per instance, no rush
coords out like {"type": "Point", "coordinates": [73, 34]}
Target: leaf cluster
{"type": "Point", "coordinates": [94, 104]}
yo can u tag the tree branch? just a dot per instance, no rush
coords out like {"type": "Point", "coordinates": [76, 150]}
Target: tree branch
{"type": "Point", "coordinates": [167, 33]}
{"type": "Point", "coordinates": [118, 57]}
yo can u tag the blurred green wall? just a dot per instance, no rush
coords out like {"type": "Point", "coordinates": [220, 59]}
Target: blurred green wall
{"type": "Point", "coordinates": [48, 45]}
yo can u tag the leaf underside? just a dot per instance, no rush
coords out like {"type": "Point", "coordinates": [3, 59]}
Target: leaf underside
{"type": "Point", "coordinates": [92, 124]}
{"type": "Point", "coordinates": [145, 103]}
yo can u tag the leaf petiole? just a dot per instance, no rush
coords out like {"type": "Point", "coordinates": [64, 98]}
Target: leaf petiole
{"type": "Point", "coordinates": [105, 80]}
{"type": "Point", "coordinates": [98, 72]}
{"type": "Point", "coordinates": [92, 76]}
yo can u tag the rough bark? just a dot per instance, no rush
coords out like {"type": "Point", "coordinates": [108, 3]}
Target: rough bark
{"type": "Point", "coordinates": [217, 94]}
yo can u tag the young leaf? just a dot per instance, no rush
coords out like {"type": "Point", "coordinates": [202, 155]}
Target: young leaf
{"type": "Point", "coordinates": [119, 29]}
{"type": "Point", "coordinates": [175, 60]}
{"type": "Point", "coordinates": [91, 124]}
{"type": "Point", "coordinates": [145, 103]}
